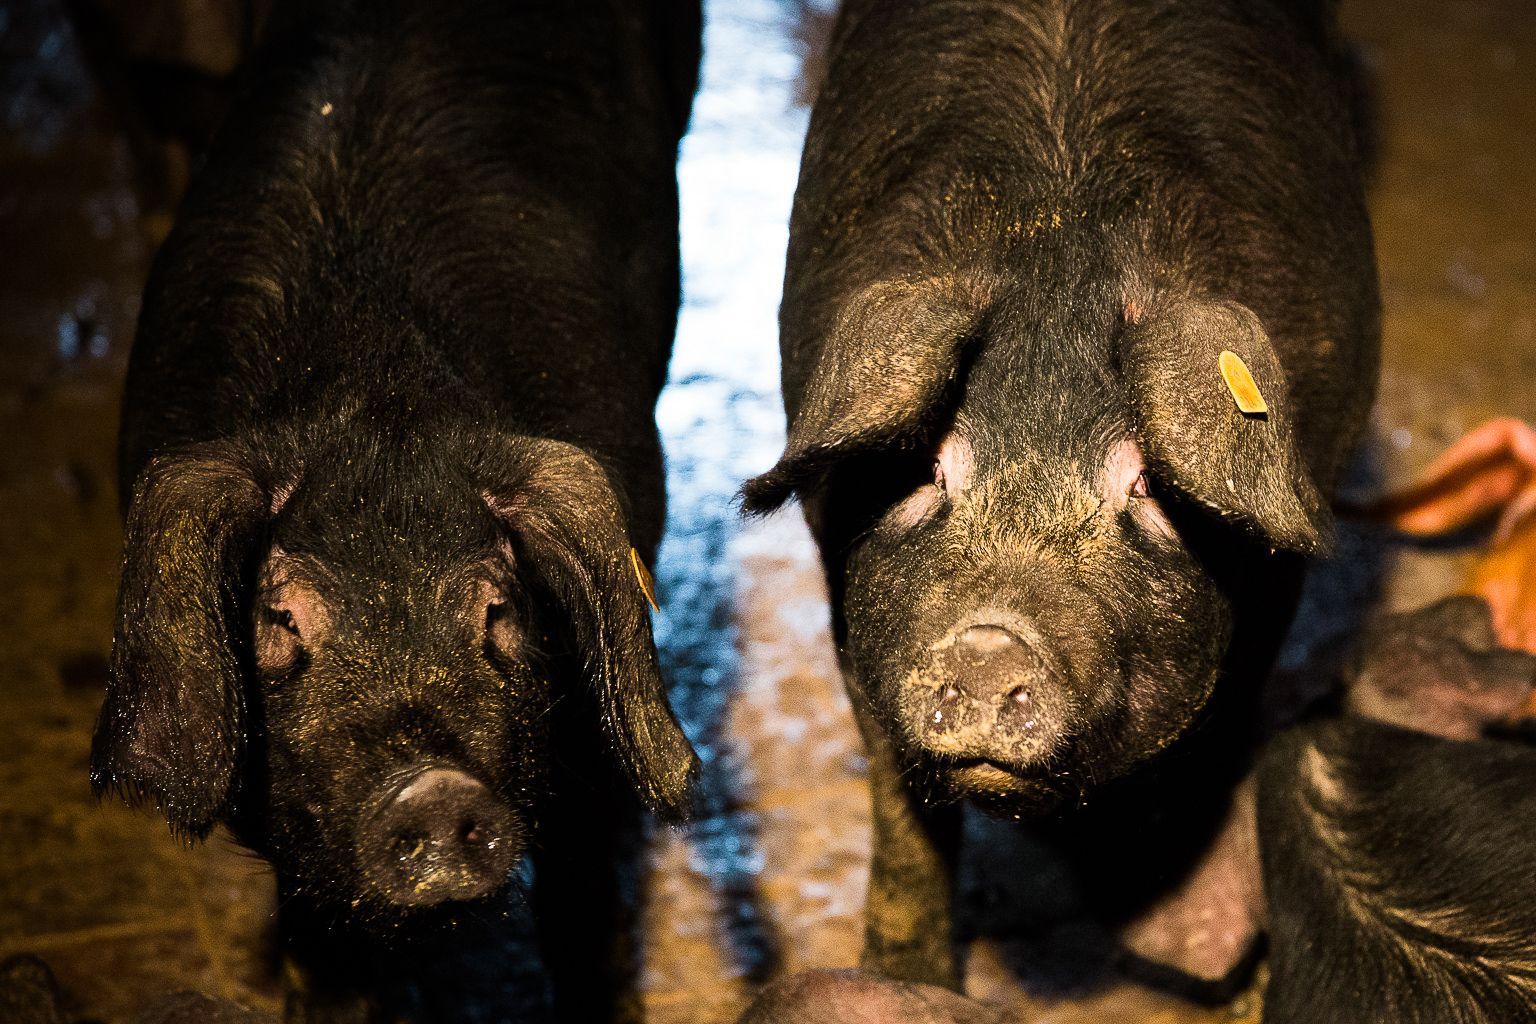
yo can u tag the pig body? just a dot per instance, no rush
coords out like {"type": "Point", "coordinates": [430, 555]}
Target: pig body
{"type": "Point", "coordinates": [1399, 872]}
{"type": "Point", "coordinates": [390, 463]}
{"type": "Point", "coordinates": [1398, 846]}
{"type": "Point", "coordinates": [1023, 237]}
{"type": "Point", "coordinates": [1434, 672]}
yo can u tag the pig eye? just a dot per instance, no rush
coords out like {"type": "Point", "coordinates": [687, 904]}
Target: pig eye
{"type": "Point", "coordinates": [503, 630]}
{"type": "Point", "coordinates": [500, 620]}
{"type": "Point", "coordinates": [1141, 487]}
{"type": "Point", "coordinates": [279, 617]}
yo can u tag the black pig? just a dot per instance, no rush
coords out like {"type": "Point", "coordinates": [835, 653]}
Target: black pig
{"type": "Point", "coordinates": [1400, 870]}
{"type": "Point", "coordinates": [390, 463]}
{"type": "Point", "coordinates": [1437, 671]}
{"type": "Point", "coordinates": [1396, 857]}
{"type": "Point", "coordinates": [1023, 237]}
{"type": "Point", "coordinates": [1399, 848]}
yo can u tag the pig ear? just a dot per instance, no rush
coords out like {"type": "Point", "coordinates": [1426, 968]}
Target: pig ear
{"type": "Point", "coordinates": [170, 729]}
{"type": "Point", "coordinates": [1245, 466]}
{"type": "Point", "coordinates": [571, 533]}
{"type": "Point", "coordinates": [892, 355]}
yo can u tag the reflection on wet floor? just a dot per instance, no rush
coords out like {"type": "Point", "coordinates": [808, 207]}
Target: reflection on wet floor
{"type": "Point", "coordinates": [771, 877]}
{"type": "Point", "coordinates": [721, 420]}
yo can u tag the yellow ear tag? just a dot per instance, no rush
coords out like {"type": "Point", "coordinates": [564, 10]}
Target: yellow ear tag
{"type": "Point", "coordinates": [1245, 392]}
{"type": "Point", "coordinates": [647, 584]}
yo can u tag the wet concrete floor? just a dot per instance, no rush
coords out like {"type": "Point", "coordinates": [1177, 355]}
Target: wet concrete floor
{"type": "Point", "coordinates": [771, 877]}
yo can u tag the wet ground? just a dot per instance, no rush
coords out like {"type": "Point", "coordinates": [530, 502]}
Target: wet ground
{"type": "Point", "coordinates": [771, 877]}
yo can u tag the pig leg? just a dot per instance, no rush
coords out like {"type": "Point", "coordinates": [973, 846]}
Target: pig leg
{"type": "Point", "coordinates": [1207, 928]}
{"type": "Point", "coordinates": [583, 897]}
{"type": "Point", "coordinates": [853, 997]}
{"type": "Point", "coordinates": [908, 930]}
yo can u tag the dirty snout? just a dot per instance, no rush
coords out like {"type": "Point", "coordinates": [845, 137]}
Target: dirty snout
{"type": "Point", "coordinates": [991, 695]}
{"type": "Point", "coordinates": [438, 835]}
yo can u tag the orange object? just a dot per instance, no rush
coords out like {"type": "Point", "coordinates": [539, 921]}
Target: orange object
{"type": "Point", "coordinates": [1505, 577]}
{"type": "Point", "coordinates": [1490, 472]}
{"type": "Point", "coordinates": [646, 581]}
{"type": "Point", "coordinates": [1245, 390]}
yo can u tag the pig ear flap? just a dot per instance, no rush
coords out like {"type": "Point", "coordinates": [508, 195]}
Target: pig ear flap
{"type": "Point", "coordinates": [1184, 389]}
{"type": "Point", "coordinates": [893, 354]}
{"type": "Point", "coordinates": [570, 533]}
{"type": "Point", "coordinates": [169, 732]}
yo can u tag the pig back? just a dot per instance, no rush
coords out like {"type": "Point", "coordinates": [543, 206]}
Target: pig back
{"type": "Point", "coordinates": [1204, 148]}
{"type": "Point", "coordinates": [461, 213]}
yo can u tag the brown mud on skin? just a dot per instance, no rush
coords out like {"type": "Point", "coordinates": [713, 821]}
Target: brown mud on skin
{"type": "Point", "coordinates": [771, 878]}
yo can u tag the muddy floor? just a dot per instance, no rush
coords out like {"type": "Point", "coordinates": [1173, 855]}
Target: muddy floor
{"type": "Point", "coordinates": [771, 877]}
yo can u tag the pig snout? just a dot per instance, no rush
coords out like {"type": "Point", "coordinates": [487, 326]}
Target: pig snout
{"type": "Point", "coordinates": [994, 697]}
{"type": "Point", "coordinates": [440, 835]}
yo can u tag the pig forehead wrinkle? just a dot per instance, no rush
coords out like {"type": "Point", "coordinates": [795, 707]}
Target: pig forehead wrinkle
{"type": "Point", "coordinates": [1065, 415]}
{"type": "Point", "coordinates": [1033, 500]}
{"type": "Point", "coordinates": [395, 605]}
{"type": "Point", "coordinates": [398, 718]}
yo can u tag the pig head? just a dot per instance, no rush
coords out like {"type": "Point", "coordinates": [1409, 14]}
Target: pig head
{"type": "Point", "coordinates": [1050, 498]}
{"type": "Point", "coordinates": [349, 647]}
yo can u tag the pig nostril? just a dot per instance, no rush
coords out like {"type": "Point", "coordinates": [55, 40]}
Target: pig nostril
{"type": "Point", "coordinates": [470, 834]}
{"type": "Point", "coordinates": [1023, 704]}
{"type": "Point", "coordinates": [408, 845]}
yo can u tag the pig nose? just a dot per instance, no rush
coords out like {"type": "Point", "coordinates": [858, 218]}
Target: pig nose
{"type": "Point", "coordinates": [991, 666]}
{"type": "Point", "coordinates": [439, 836]}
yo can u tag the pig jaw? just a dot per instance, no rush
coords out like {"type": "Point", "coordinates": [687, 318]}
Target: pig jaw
{"type": "Point", "coordinates": [1058, 681]}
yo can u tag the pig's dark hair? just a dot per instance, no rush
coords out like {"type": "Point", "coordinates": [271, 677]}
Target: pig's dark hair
{"type": "Point", "coordinates": [170, 730]}
{"type": "Point", "coordinates": [383, 231]}
{"type": "Point", "coordinates": [902, 251]}
{"type": "Point", "coordinates": [1400, 877]}
{"type": "Point", "coordinates": [172, 727]}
